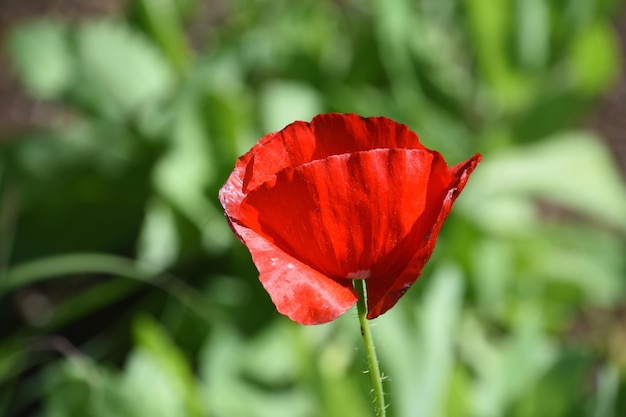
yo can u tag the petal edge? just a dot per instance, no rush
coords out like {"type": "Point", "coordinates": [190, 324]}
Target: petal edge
{"type": "Point", "coordinates": [298, 291]}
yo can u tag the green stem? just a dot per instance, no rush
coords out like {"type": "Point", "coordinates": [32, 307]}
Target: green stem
{"type": "Point", "coordinates": [370, 349]}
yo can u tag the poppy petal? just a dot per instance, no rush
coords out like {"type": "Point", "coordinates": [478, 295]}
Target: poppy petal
{"type": "Point", "coordinates": [298, 291]}
{"type": "Point", "coordinates": [301, 142]}
{"type": "Point", "coordinates": [271, 154]}
{"type": "Point", "coordinates": [336, 134]}
{"type": "Point", "coordinates": [346, 214]}
{"type": "Point", "coordinates": [382, 294]}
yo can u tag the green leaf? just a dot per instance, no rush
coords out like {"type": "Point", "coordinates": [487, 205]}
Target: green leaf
{"type": "Point", "coordinates": [158, 242]}
{"type": "Point", "coordinates": [533, 32]}
{"type": "Point", "coordinates": [608, 391]}
{"type": "Point", "coordinates": [69, 392]}
{"type": "Point", "coordinates": [573, 169]}
{"type": "Point", "coordinates": [159, 373]}
{"type": "Point", "coordinates": [505, 369]}
{"type": "Point", "coordinates": [588, 260]}
{"type": "Point", "coordinates": [491, 23]}
{"type": "Point", "coordinates": [233, 370]}
{"type": "Point", "coordinates": [41, 54]}
{"type": "Point", "coordinates": [394, 26]}
{"type": "Point", "coordinates": [184, 174]}
{"type": "Point", "coordinates": [77, 386]}
{"type": "Point", "coordinates": [552, 395]}
{"type": "Point", "coordinates": [493, 267]}
{"type": "Point", "coordinates": [12, 360]}
{"type": "Point", "coordinates": [163, 20]}
{"type": "Point", "coordinates": [119, 69]}
{"type": "Point", "coordinates": [151, 388]}
{"type": "Point", "coordinates": [594, 59]}
{"type": "Point", "coordinates": [283, 102]}
{"type": "Point", "coordinates": [421, 360]}
{"type": "Point", "coordinates": [48, 268]}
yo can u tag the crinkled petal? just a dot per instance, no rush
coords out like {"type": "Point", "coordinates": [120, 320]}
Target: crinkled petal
{"type": "Point", "coordinates": [383, 294]}
{"type": "Point", "coordinates": [346, 215]}
{"type": "Point", "coordinates": [301, 142]}
{"type": "Point", "coordinates": [272, 153]}
{"type": "Point", "coordinates": [336, 134]}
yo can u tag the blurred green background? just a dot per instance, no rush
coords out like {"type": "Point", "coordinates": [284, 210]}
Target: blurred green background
{"type": "Point", "coordinates": [124, 293]}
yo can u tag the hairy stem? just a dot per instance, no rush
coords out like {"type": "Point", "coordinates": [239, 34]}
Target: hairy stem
{"type": "Point", "coordinates": [370, 349]}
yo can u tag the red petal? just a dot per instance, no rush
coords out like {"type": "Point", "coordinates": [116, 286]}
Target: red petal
{"type": "Point", "coordinates": [298, 291]}
{"type": "Point", "coordinates": [300, 143]}
{"type": "Point", "coordinates": [382, 295]}
{"type": "Point", "coordinates": [347, 214]}
{"type": "Point", "coordinates": [346, 133]}
{"type": "Point", "coordinates": [271, 154]}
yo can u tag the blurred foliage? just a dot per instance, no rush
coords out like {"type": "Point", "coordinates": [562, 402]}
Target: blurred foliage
{"type": "Point", "coordinates": [123, 291]}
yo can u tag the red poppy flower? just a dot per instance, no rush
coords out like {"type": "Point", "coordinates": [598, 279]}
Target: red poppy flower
{"type": "Point", "coordinates": [340, 198]}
